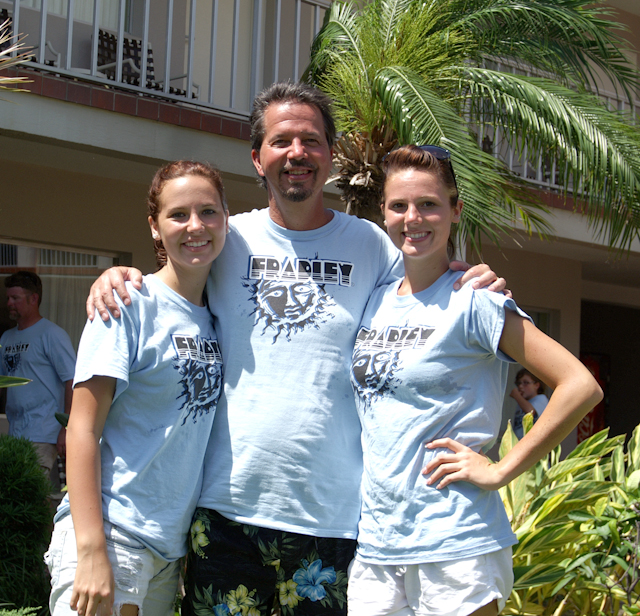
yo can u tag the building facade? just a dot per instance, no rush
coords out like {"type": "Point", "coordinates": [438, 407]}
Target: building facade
{"type": "Point", "coordinates": [117, 87]}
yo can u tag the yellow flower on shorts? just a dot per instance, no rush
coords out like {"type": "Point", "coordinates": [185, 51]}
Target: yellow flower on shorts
{"type": "Point", "coordinates": [240, 600]}
{"type": "Point", "coordinates": [288, 594]}
{"type": "Point", "coordinates": [198, 538]}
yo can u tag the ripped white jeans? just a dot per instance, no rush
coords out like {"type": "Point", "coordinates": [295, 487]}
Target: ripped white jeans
{"type": "Point", "coordinates": [141, 578]}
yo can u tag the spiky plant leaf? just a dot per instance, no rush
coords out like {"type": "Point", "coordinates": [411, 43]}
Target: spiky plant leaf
{"type": "Point", "coordinates": [12, 55]}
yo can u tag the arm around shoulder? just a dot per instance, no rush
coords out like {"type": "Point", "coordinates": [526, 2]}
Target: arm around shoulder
{"type": "Point", "coordinates": [101, 293]}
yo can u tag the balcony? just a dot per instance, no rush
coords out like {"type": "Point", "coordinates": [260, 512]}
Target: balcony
{"type": "Point", "coordinates": [217, 55]}
{"type": "Point", "coordinates": [539, 170]}
{"type": "Point", "coordinates": [212, 54]}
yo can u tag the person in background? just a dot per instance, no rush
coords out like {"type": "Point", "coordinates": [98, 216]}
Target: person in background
{"type": "Point", "coordinates": [39, 350]}
{"type": "Point", "coordinates": [146, 388]}
{"type": "Point", "coordinates": [530, 396]}
{"type": "Point", "coordinates": [429, 372]}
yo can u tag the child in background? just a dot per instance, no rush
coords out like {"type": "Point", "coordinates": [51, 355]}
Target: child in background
{"type": "Point", "coordinates": [529, 394]}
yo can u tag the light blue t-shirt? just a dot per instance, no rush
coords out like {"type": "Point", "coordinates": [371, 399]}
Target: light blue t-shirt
{"type": "Point", "coordinates": [44, 354]}
{"type": "Point", "coordinates": [285, 446]}
{"type": "Point", "coordinates": [428, 366]}
{"type": "Point", "coordinates": [164, 354]}
{"type": "Point", "coordinates": [539, 403]}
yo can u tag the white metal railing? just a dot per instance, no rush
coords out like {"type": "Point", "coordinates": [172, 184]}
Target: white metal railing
{"type": "Point", "coordinates": [538, 171]}
{"type": "Point", "coordinates": [62, 258]}
{"type": "Point", "coordinates": [212, 53]}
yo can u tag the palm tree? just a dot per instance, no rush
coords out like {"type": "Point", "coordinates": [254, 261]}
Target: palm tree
{"type": "Point", "coordinates": [420, 71]}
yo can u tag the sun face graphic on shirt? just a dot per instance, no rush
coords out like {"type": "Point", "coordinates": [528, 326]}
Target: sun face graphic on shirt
{"type": "Point", "coordinates": [289, 307]}
{"type": "Point", "coordinates": [372, 373]}
{"type": "Point", "coordinates": [199, 364]}
{"type": "Point", "coordinates": [11, 362]}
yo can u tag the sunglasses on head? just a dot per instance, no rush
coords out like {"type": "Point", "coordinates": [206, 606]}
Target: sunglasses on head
{"type": "Point", "coordinates": [439, 154]}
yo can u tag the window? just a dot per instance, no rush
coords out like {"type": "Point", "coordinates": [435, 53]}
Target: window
{"type": "Point", "coordinates": [66, 274]}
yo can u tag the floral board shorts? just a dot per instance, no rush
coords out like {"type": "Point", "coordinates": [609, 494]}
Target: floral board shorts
{"type": "Point", "coordinates": [235, 568]}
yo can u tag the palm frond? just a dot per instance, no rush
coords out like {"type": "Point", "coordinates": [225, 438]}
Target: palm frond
{"type": "Point", "coordinates": [409, 70]}
{"type": "Point", "coordinates": [597, 151]}
{"type": "Point", "coordinates": [566, 37]}
{"type": "Point", "coordinates": [14, 45]}
{"type": "Point", "coordinates": [339, 34]}
{"type": "Point", "coordinates": [390, 12]}
{"type": "Point", "coordinates": [487, 187]}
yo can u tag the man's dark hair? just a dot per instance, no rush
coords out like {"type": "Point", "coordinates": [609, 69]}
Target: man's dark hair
{"type": "Point", "coordinates": [29, 281]}
{"type": "Point", "coordinates": [287, 92]}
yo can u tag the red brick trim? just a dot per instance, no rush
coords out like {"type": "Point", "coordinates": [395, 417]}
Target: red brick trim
{"type": "Point", "coordinates": [118, 101]}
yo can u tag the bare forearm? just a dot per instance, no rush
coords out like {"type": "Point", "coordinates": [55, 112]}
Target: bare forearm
{"type": "Point", "coordinates": [569, 403]}
{"type": "Point", "coordinates": [85, 494]}
{"type": "Point", "coordinates": [91, 403]}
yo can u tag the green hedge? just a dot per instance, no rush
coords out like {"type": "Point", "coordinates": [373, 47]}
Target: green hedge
{"type": "Point", "coordinates": [24, 531]}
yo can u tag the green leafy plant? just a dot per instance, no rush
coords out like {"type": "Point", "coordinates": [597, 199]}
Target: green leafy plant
{"type": "Point", "coordinates": [414, 71]}
{"type": "Point", "coordinates": [24, 532]}
{"type": "Point", "coordinates": [578, 525]}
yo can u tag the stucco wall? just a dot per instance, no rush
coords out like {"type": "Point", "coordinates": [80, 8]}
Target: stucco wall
{"type": "Point", "coordinates": [545, 283]}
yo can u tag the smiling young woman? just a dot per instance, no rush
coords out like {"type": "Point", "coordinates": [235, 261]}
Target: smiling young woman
{"type": "Point", "coordinates": [429, 373]}
{"type": "Point", "coordinates": [191, 222]}
{"type": "Point", "coordinates": [146, 389]}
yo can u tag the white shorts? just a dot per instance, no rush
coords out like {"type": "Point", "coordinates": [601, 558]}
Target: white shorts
{"type": "Point", "coordinates": [141, 577]}
{"type": "Point", "coordinates": [450, 588]}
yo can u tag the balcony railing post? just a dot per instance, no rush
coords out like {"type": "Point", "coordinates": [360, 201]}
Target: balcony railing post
{"type": "Point", "coordinates": [234, 52]}
{"type": "Point", "coordinates": [145, 44]}
{"type": "Point", "coordinates": [296, 47]}
{"type": "Point", "coordinates": [120, 45]}
{"type": "Point", "coordinates": [70, 15]}
{"type": "Point", "coordinates": [167, 64]}
{"type": "Point", "coordinates": [316, 20]}
{"type": "Point", "coordinates": [94, 40]}
{"type": "Point", "coordinates": [276, 40]}
{"type": "Point", "coordinates": [42, 44]}
{"type": "Point", "coordinates": [258, 52]}
{"type": "Point", "coordinates": [16, 22]}
{"type": "Point", "coordinates": [192, 36]}
{"type": "Point", "coordinates": [212, 52]}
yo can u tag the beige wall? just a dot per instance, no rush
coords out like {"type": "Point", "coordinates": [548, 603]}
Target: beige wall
{"type": "Point", "coordinates": [75, 209]}
{"type": "Point", "coordinates": [55, 206]}
{"type": "Point", "coordinates": [545, 283]}
{"type": "Point", "coordinates": [542, 283]}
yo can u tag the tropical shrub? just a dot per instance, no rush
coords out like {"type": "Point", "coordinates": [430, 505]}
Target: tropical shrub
{"type": "Point", "coordinates": [26, 516]}
{"type": "Point", "coordinates": [578, 525]}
